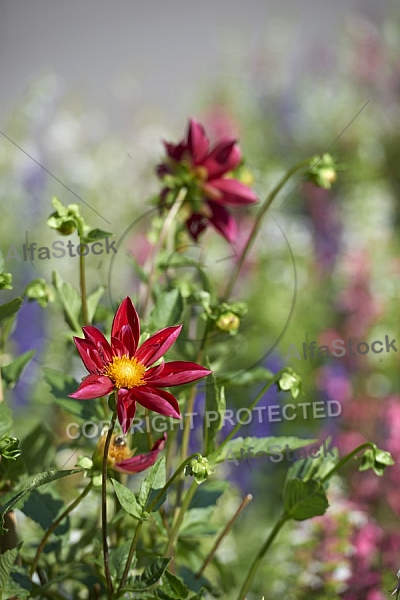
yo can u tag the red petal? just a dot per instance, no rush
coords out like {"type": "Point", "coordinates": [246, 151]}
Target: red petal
{"type": "Point", "coordinates": [139, 463]}
{"type": "Point", "coordinates": [89, 355]}
{"type": "Point", "coordinates": [95, 336]}
{"type": "Point", "coordinates": [159, 401]}
{"type": "Point", "coordinates": [93, 386]}
{"type": "Point", "coordinates": [223, 158]}
{"type": "Point", "coordinates": [118, 348]}
{"type": "Point", "coordinates": [126, 315]}
{"type": "Point", "coordinates": [175, 151]}
{"type": "Point", "coordinates": [176, 373]}
{"type": "Point", "coordinates": [157, 345]}
{"type": "Point", "coordinates": [234, 192]}
{"type": "Point", "coordinates": [126, 408]}
{"type": "Point", "coordinates": [223, 222]}
{"type": "Point", "coordinates": [197, 141]}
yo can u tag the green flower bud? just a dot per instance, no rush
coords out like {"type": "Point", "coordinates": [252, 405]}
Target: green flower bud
{"type": "Point", "coordinates": [39, 290]}
{"type": "Point", "coordinates": [323, 171]}
{"type": "Point", "coordinates": [229, 322]}
{"type": "Point", "coordinates": [9, 447]}
{"type": "Point", "coordinates": [199, 468]}
{"type": "Point", "coordinates": [5, 281]}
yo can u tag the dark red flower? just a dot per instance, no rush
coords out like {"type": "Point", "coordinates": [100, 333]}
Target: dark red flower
{"type": "Point", "coordinates": [124, 366]}
{"type": "Point", "coordinates": [204, 171]}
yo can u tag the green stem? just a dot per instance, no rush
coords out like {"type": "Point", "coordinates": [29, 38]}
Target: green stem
{"type": "Point", "coordinates": [82, 281]}
{"type": "Point", "coordinates": [179, 517]}
{"type": "Point", "coordinates": [256, 226]}
{"type": "Point", "coordinates": [263, 550]}
{"type": "Point", "coordinates": [56, 523]}
{"type": "Point", "coordinates": [246, 500]}
{"type": "Point", "coordinates": [149, 510]}
{"type": "Point", "coordinates": [256, 400]}
{"type": "Point", "coordinates": [106, 556]}
{"type": "Point", "coordinates": [177, 203]}
{"type": "Point", "coordinates": [346, 458]}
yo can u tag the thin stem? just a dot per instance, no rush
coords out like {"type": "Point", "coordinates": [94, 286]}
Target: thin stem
{"type": "Point", "coordinates": [263, 550]}
{"type": "Point", "coordinates": [106, 556]}
{"type": "Point", "coordinates": [160, 242]}
{"type": "Point", "coordinates": [176, 525]}
{"type": "Point", "coordinates": [252, 405]}
{"type": "Point", "coordinates": [346, 458]}
{"type": "Point", "coordinates": [149, 510]}
{"type": "Point", "coordinates": [246, 500]}
{"type": "Point", "coordinates": [256, 226]}
{"type": "Point", "coordinates": [56, 523]}
{"type": "Point", "coordinates": [82, 281]}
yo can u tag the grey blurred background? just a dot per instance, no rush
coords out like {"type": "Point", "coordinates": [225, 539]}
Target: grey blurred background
{"type": "Point", "coordinates": [128, 53]}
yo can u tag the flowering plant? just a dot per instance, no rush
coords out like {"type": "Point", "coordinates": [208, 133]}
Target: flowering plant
{"type": "Point", "coordinates": [150, 540]}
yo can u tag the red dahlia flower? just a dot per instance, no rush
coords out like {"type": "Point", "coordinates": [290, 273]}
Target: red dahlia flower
{"type": "Point", "coordinates": [204, 172]}
{"type": "Point", "coordinates": [126, 368]}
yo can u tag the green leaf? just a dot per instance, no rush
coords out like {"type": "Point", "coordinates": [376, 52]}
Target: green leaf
{"type": "Point", "coordinates": [291, 382]}
{"type": "Point", "coordinates": [316, 468]}
{"type": "Point", "coordinates": [270, 446]}
{"type": "Point", "coordinates": [197, 522]}
{"type": "Point", "coordinates": [61, 386]}
{"type": "Point", "coordinates": [127, 500]}
{"type": "Point", "coordinates": [93, 301]}
{"type": "Point", "coordinates": [7, 560]}
{"type": "Point", "coordinates": [214, 406]}
{"type": "Point", "coordinates": [12, 372]}
{"type": "Point", "coordinates": [42, 509]}
{"type": "Point", "coordinates": [38, 449]}
{"type": "Point", "coordinates": [37, 481]}
{"type": "Point", "coordinates": [167, 310]}
{"type": "Point", "coordinates": [304, 499]}
{"type": "Point", "coordinates": [95, 235]}
{"type": "Point", "coordinates": [155, 480]}
{"type": "Point", "coordinates": [1, 260]}
{"type": "Point", "coordinates": [246, 378]}
{"type": "Point", "coordinates": [70, 301]}
{"type": "Point", "coordinates": [151, 574]}
{"type": "Point", "coordinates": [5, 419]}
{"type": "Point", "coordinates": [172, 588]}
{"type": "Point", "coordinates": [18, 584]}
{"type": "Point", "coordinates": [118, 558]}
{"type": "Point", "coordinates": [10, 309]}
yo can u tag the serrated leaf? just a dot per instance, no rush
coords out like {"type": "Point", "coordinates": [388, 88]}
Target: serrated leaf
{"type": "Point", "coordinates": [93, 301]}
{"type": "Point", "coordinates": [271, 446]}
{"type": "Point", "coordinates": [127, 500]}
{"type": "Point", "coordinates": [155, 480]}
{"type": "Point", "coordinates": [95, 235]}
{"type": "Point", "coordinates": [151, 574]}
{"type": "Point", "coordinates": [304, 499]}
{"type": "Point", "coordinates": [36, 482]}
{"type": "Point", "coordinates": [7, 560]}
{"type": "Point", "coordinates": [5, 419]}
{"type": "Point", "coordinates": [12, 372]}
{"type": "Point", "coordinates": [214, 405]}
{"type": "Point", "coordinates": [70, 301]}
{"type": "Point", "coordinates": [167, 310]}
{"type": "Point", "coordinates": [42, 509]}
{"type": "Point", "coordinates": [172, 588]}
{"type": "Point", "coordinates": [9, 309]}
{"type": "Point", "coordinates": [18, 584]}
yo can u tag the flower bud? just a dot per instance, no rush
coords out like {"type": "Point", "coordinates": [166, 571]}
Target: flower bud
{"type": "Point", "coordinates": [9, 447]}
{"type": "Point", "coordinates": [39, 290]}
{"type": "Point", "coordinates": [228, 322]}
{"type": "Point", "coordinates": [199, 468]}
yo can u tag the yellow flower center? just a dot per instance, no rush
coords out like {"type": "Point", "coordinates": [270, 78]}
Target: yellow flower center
{"type": "Point", "coordinates": [125, 372]}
